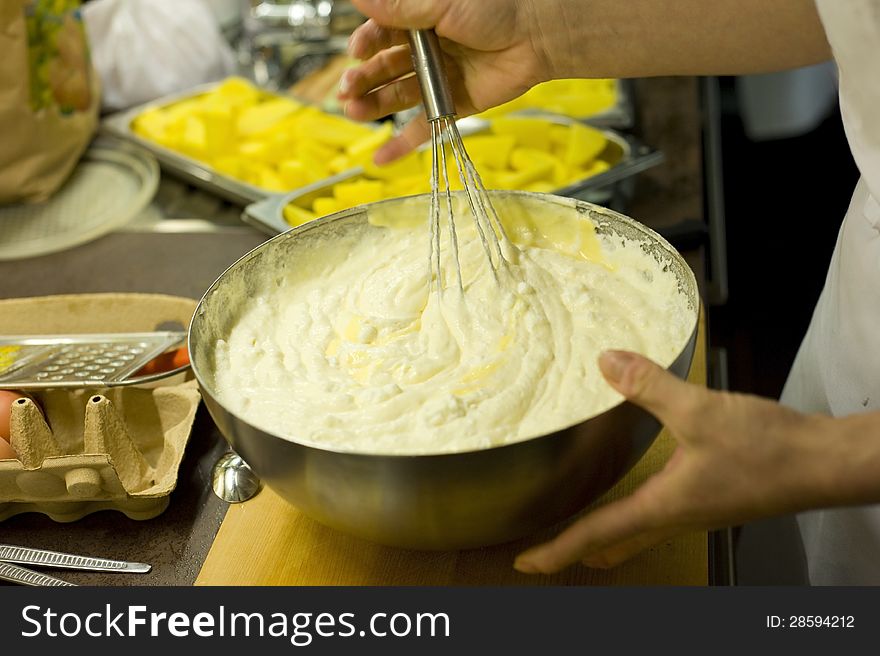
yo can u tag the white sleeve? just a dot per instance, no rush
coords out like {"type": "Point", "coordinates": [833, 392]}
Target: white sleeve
{"type": "Point", "coordinates": [853, 30]}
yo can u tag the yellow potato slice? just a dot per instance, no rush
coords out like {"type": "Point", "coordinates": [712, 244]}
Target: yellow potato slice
{"type": "Point", "coordinates": [357, 192]}
{"type": "Point", "coordinates": [269, 179]}
{"type": "Point", "coordinates": [331, 130]}
{"type": "Point", "coordinates": [368, 144]}
{"type": "Point", "coordinates": [339, 164]}
{"type": "Point", "coordinates": [326, 205]}
{"type": "Point", "coordinates": [192, 141]}
{"type": "Point", "coordinates": [584, 144]}
{"type": "Point", "coordinates": [237, 91]}
{"type": "Point", "coordinates": [293, 173]}
{"type": "Point", "coordinates": [230, 165]}
{"type": "Point", "coordinates": [526, 158]}
{"type": "Point", "coordinates": [151, 124]}
{"type": "Point", "coordinates": [262, 117]}
{"type": "Point", "coordinates": [531, 132]}
{"type": "Point", "coordinates": [520, 179]}
{"type": "Point", "coordinates": [403, 167]}
{"type": "Point", "coordinates": [490, 150]}
{"type": "Point", "coordinates": [578, 98]}
{"type": "Point", "coordinates": [296, 216]}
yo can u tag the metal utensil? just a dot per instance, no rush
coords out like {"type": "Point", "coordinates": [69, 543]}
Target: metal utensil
{"type": "Point", "coordinates": [12, 557]}
{"type": "Point", "coordinates": [446, 142]}
{"type": "Point", "coordinates": [22, 576]}
{"type": "Point", "coordinates": [29, 362]}
{"type": "Point", "coordinates": [27, 556]}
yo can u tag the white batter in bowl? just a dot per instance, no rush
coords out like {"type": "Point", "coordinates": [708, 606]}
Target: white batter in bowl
{"type": "Point", "coordinates": [345, 348]}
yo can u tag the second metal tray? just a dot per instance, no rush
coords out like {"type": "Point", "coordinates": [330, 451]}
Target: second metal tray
{"type": "Point", "coordinates": [628, 155]}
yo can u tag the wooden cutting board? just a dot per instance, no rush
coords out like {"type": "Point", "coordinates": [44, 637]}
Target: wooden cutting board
{"type": "Point", "coordinates": [265, 541]}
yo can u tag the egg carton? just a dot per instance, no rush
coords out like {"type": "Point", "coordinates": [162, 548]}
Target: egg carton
{"type": "Point", "coordinates": [85, 450]}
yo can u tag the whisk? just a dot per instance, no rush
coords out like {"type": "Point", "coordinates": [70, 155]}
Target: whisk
{"type": "Point", "coordinates": [445, 137]}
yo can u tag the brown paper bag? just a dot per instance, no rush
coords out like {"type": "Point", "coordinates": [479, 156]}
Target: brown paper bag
{"type": "Point", "coordinates": [49, 96]}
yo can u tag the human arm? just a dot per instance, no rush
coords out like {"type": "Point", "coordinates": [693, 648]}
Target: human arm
{"type": "Point", "coordinates": [738, 458]}
{"type": "Point", "coordinates": [497, 49]}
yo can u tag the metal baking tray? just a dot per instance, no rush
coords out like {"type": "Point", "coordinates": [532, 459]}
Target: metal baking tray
{"type": "Point", "coordinates": [191, 170]}
{"type": "Point", "coordinates": [629, 157]}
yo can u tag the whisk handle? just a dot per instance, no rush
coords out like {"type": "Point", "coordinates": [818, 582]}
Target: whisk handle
{"type": "Point", "coordinates": [431, 73]}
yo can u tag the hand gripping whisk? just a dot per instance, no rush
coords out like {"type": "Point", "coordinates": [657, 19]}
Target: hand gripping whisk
{"type": "Point", "coordinates": [445, 137]}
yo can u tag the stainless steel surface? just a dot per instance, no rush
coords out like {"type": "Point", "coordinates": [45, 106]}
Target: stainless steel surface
{"type": "Point", "coordinates": [27, 556]}
{"type": "Point", "coordinates": [628, 158]}
{"type": "Point", "coordinates": [77, 361]}
{"type": "Point", "coordinates": [430, 71]}
{"type": "Point", "coordinates": [266, 24]}
{"type": "Point", "coordinates": [233, 480]}
{"type": "Point", "coordinates": [436, 501]}
{"type": "Point", "coordinates": [22, 576]}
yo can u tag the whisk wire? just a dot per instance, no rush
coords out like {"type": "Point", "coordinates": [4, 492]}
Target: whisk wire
{"type": "Point", "coordinates": [449, 211]}
{"type": "Point", "coordinates": [427, 57]}
{"type": "Point", "coordinates": [483, 199]}
{"type": "Point", "coordinates": [434, 273]}
{"type": "Point", "coordinates": [459, 153]}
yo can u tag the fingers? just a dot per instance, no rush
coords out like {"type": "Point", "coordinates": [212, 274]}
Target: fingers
{"type": "Point", "coordinates": [620, 552]}
{"type": "Point", "coordinates": [414, 133]}
{"type": "Point", "coordinates": [371, 38]}
{"type": "Point", "coordinates": [381, 69]}
{"type": "Point", "coordinates": [651, 387]}
{"type": "Point", "coordinates": [403, 14]}
{"type": "Point", "coordinates": [391, 98]}
{"type": "Point", "coordinates": [619, 522]}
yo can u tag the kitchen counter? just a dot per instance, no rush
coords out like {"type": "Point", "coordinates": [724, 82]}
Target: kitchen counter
{"type": "Point", "coordinates": [179, 246]}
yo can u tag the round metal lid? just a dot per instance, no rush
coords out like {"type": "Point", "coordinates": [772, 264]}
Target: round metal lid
{"type": "Point", "coordinates": [107, 189]}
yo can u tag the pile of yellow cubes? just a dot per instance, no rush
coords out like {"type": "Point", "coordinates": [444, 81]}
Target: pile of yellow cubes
{"type": "Point", "coordinates": [279, 144]}
{"type": "Point", "coordinates": [517, 153]}
{"type": "Point", "coordinates": [271, 142]}
{"type": "Point", "coordinates": [579, 98]}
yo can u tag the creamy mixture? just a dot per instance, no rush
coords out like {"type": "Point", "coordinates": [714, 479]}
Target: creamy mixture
{"type": "Point", "coordinates": [348, 349]}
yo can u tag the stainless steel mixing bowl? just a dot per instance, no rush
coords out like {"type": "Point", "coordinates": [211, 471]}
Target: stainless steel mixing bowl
{"type": "Point", "coordinates": [447, 501]}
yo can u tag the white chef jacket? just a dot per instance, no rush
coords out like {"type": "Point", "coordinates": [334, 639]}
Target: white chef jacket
{"type": "Point", "coordinates": [837, 369]}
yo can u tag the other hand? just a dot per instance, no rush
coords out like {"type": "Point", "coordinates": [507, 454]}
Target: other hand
{"type": "Point", "coordinates": [738, 458]}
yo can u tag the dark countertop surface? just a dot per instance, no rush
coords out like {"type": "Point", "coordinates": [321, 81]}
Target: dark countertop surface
{"type": "Point", "coordinates": [164, 251]}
